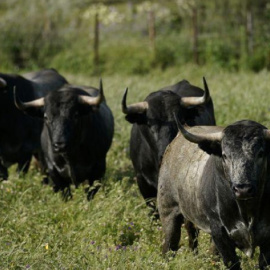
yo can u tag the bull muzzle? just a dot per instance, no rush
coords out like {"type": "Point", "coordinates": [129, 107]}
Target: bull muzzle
{"type": "Point", "coordinates": [244, 191]}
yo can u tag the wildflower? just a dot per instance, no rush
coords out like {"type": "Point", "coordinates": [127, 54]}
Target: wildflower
{"type": "Point", "coordinates": [46, 246]}
{"type": "Point", "coordinates": [118, 247]}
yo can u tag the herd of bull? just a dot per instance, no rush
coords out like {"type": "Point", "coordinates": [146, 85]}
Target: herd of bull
{"type": "Point", "coordinates": [211, 178]}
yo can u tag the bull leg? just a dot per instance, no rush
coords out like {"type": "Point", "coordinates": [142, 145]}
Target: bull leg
{"type": "Point", "coordinates": [264, 259]}
{"type": "Point", "coordinates": [225, 247]}
{"type": "Point", "coordinates": [213, 248]}
{"type": "Point", "coordinates": [171, 225]}
{"type": "Point", "coordinates": [61, 184]}
{"type": "Point", "coordinates": [193, 234]}
{"type": "Point", "coordinates": [23, 165]}
{"type": "Point", "coordinates": [42, 166]}
{"type": "Point", "coordinates": [3, 172]}
{"type": "Point", "coordinates": [149, 193]}
{"type": "Point", "coordinates": [97, 174]}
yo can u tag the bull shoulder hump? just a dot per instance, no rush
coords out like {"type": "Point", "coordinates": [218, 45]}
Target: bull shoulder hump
{"type": "Point", "coordinates": [180, 142]}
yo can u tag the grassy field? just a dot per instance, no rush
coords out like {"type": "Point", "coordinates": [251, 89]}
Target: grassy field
{"type": "Point", "coordinates": [114, 231]}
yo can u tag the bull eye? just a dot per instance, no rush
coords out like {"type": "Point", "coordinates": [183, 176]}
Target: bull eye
{"type": "Point", "coordinates": [224, 156]}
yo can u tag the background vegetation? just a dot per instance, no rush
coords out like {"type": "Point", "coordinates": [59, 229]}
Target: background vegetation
{"type": "Point", "coordinates": [134, 37]}
{"type": "Point", "coordinates": [143, 45]}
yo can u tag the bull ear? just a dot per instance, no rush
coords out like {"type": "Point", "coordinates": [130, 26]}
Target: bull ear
{"type": "Point", "coordinates": [211, 148]}
{"type": "Point", "coordinates": [208, 138]}
{"type": "Point", "coordinates": [136, 118]}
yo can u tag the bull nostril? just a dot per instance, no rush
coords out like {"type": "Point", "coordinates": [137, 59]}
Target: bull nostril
{"type": "Point", "coordinates": [244, 190]}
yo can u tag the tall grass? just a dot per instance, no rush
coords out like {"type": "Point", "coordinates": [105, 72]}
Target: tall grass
{"type": "Point", "coordinates": [114, 231]}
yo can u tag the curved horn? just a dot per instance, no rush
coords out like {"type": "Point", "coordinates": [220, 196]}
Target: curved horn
{"type": "Point", "coordinates": [93, 101]}
{"type": "Point", "coordinates": [192, 101]}
{"type": "Point", "coordinates": [3, 83]}
{"type": "Point", "coordinates": [266, 133]}
{"type": "Point", "coordinates": [139, 107]}
{"type": "Point", "coordinates": [24, 105]}
{"type": "Point", "coordinates": [198, 138]}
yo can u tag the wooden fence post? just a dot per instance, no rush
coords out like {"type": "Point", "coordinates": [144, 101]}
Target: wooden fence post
{"type": "Point", "coordinates": [152, 30]}
{"type": "Point", "coordinates": [195, 35]}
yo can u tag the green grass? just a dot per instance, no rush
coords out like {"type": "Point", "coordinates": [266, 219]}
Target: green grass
{"type": "Point", "coordinates": [114, 231]}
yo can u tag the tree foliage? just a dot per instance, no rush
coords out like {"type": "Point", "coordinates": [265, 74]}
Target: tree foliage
{"type": "Point", "coordinates": [233, 34]}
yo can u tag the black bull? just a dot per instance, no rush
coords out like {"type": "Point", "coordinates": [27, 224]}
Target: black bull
{"type": "Point", "coordinates": [19, 133]}
{"type": "Point", "coordinates": [222, 186]}
{"type": "Point", "coordinates": [77, 133]}
{"type": "Point", "coordinates": [154, 127]}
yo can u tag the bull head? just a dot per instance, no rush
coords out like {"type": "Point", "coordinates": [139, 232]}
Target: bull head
{"type": "Point", "coordinates": [38, 103]}
{"type": "Point", "coordinates": [244, 158]}
{"type": "Point", "coordinates": [186, 102]}
{"type": "Point", "coordinates": [208, 137]}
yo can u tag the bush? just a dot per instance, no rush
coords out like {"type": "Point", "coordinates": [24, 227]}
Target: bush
{"type": "Point", "coordinates": [73, 60]}
{"type": "Point", "coordinates": [214, 51]}
{"type": "Point", "coordinates": [126, 58]}
{"type": "Point", "coordinates": [257, 61]}
{"type": "Point", "coordinates": [164, 57]}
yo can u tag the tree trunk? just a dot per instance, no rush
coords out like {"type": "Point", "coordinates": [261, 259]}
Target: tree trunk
{"type": "Point", "coordinates": [152, 30]}
{"type": "Point", "coordinates": [249, 31]}
{"type": "Point", "coordinates": [195, 35]}
{"type": "Point", "coordinates": [96, 44]}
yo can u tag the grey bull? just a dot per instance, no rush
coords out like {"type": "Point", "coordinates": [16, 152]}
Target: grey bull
{"type": "Point", "coordinates": [218, 178]}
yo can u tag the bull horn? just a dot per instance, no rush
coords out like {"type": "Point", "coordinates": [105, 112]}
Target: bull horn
{"type": "Point", "coordinates": [266, 133]}
{"type": "Point", "coordinates": [24, 105]}
{"type": "Point", "coordinates": [93, 101]}
{"type": "Point", "coordinates": [139, 107]}
{"type": "Point", "coordinates": [198, 138]}
{"type": "Point", "coordinates": [3, 83]}
{"type": "Point", "coordinates": [193, 101]}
